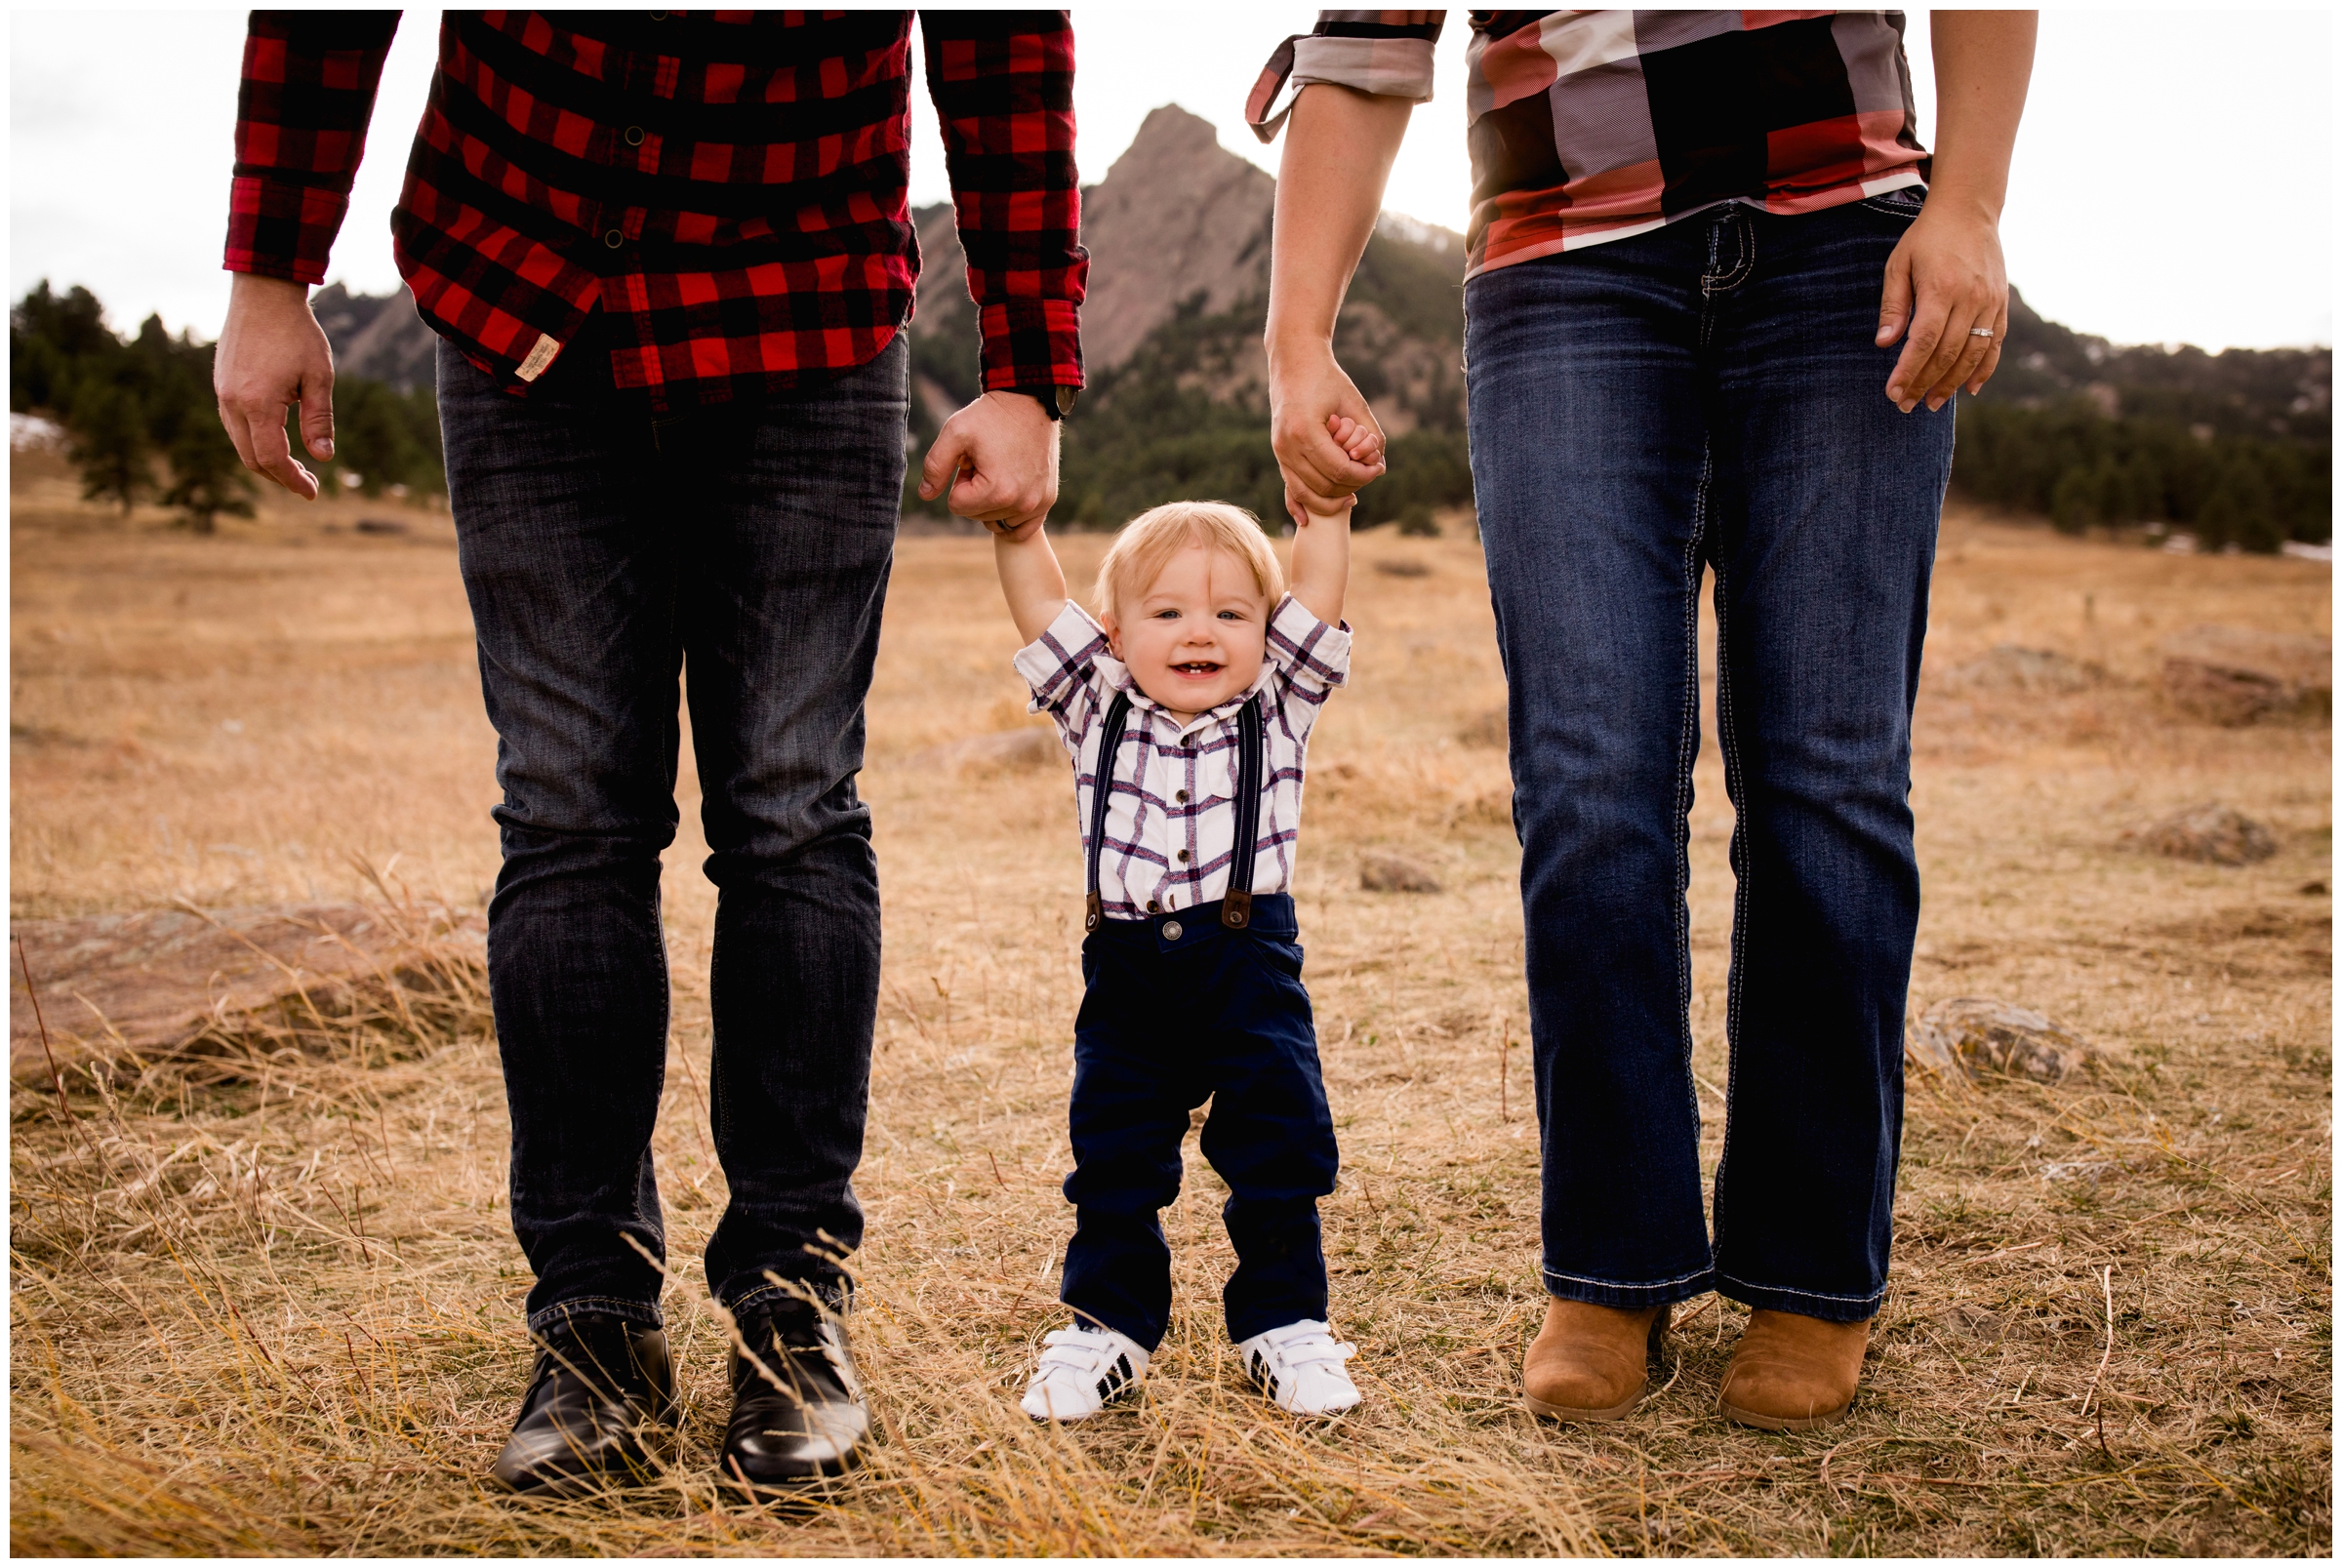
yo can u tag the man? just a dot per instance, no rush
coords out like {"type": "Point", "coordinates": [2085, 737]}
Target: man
{"type": "Point", "coordinates": [669, 257]}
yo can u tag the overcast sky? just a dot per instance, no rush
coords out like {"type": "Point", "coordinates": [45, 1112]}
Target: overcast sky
{"type": "Point", "coordinates": [2173, 181]}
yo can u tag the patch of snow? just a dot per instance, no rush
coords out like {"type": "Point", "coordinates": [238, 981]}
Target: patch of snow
{"type": "Point", "coordinates": [29, 432]}
{"type": "Point", "coordinates": [2309, 553]}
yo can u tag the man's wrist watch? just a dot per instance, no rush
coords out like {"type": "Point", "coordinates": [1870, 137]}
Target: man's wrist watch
{"type": "Point", "coordinates": [1056, 401]}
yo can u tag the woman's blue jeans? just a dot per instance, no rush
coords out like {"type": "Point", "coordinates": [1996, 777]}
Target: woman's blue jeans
{"type": "Point", "coordinates": [1711, 394]}
{"type": "Point", "coordinates": [608, 553]}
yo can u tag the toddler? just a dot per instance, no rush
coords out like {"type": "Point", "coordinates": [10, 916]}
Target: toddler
{"type": "Point", "coordinates": [1186, 706]}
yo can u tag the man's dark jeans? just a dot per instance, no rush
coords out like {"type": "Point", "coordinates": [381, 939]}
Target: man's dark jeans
{"type": "Point", "coordinates": [1711, 394]}
{"type": "Point", "coordinates": [606, 554]}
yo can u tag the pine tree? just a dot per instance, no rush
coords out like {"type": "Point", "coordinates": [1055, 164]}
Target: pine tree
{"type": "Point", "coordinates": [2077, 500]}
{"type": "Point", "coordinates": [210, 476]}
{"type": "Point", "coordinates": [109, 444]}
{"type": "Point", "coordinates": [371, 434]}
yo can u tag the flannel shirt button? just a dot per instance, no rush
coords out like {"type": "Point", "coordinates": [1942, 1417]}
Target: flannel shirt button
{"type": "Point", "coordinates": [1154, 906]}
{"type": "Point", "coordinates": [633, 135]}
{"type": "Point", "coordinates": [1182, 798]}
{"type": "Point", "coordinates": [1183, 857]}
{"type": "Point", "coordinates": [615, 238]}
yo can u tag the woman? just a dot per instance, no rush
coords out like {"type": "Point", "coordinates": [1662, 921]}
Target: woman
{"type": "Point", "coordinates": [1718, 300]}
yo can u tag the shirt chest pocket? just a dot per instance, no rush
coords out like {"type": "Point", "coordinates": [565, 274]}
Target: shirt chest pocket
{"type": "Point", "coordinates": [1194, 780]}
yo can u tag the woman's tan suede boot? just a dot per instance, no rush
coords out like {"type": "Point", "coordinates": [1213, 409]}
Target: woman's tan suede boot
{"type": "Point", "coordinates": [1590, 1363]}
{"type": "Point", "coordinates": [1791, 1372]}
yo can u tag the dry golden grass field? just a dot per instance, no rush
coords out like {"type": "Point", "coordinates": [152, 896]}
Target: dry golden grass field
{"type": "Point", "coordinates": [264, 1299]}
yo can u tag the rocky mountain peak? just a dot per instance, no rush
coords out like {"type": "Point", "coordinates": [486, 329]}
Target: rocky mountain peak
{"type": "Point", "coordinates": [1169, 132]}
{"type": "Point", "coordinates": [377, 337]}
{"type": "Point", "coordinates": [1177, 216]}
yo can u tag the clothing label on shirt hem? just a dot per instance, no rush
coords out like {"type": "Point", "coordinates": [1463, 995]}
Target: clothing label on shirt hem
{"type": "Point", "coordinates": [539, 357]}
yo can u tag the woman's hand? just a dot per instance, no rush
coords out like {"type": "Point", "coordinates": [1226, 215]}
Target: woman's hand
{"type": "Point", "coordinates": [1327, 442]}
{"type": "Point", "coordinates": [1944, 281]}
{"type": "Point", "coordinates": [1338, 151]}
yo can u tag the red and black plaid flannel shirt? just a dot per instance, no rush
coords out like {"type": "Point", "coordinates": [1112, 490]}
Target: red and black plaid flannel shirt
{"type": "Point", "coordinates": [728, 187]}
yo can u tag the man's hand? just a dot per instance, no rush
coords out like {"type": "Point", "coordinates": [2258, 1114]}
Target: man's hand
{"type": "Point", "coordinates": [998, 457]}
{"type": "Point", "coordinates": [1309, 399]}
{"type": "Point", "coordinates": [272, 354]}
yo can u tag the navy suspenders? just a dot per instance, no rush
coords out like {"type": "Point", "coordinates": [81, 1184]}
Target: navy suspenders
{"type": "Point", "coordinates": [1109, 746]}
{"type": "Point", "coordinates": [1235, 907]}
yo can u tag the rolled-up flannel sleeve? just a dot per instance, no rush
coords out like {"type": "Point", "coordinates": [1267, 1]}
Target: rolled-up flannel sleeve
{"type": "Point", "coordinates": [1003, 88]}
{"type": "Point", "coordinates": [1386, 52]}
{"type": "Point", "coordinates": [1310, 659]}
{"type": "Point", "coordinates": [1061, 666]}
{"type": "Point", "coordinates": [302, 110]}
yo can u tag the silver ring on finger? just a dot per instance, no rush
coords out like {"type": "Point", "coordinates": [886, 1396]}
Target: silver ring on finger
{"type": "Point", "coordinates": [1980, 332]}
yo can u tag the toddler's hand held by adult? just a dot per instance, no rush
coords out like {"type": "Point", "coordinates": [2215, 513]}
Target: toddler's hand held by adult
{"type": "Point", "coordinates": [1362, 444]}
{"type": "Point", "coordinates": [1309, 402]}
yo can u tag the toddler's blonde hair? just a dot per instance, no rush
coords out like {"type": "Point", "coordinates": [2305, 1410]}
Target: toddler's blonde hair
{"type": "Point", "coordinates": [1148, 541]}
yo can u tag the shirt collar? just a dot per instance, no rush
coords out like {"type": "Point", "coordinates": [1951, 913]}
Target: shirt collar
{"type": "Point", "coordinates": [1117, 675]}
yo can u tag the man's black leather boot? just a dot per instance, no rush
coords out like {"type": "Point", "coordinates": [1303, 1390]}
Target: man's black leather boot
{"type": "Point", "coordinates": [601, 1398]}
{"type": "Point", "coordinates": [800, 1416]}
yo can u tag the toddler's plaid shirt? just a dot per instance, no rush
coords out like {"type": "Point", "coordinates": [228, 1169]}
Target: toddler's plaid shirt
{"type": "Point", "coordinates": [1171, 820]}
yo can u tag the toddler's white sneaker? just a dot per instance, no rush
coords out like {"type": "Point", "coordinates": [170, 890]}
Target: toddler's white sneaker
{"type": "Point", "coordinates": [1079, 1371]}
{"type": "Point", "coordinates": [1300, 1367]}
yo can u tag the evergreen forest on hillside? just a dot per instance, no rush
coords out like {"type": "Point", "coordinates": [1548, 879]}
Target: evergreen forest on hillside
{"type": "Point", "coordinates": [2234, 448]}
{"type": "Point", "coordinates": [142, 424]}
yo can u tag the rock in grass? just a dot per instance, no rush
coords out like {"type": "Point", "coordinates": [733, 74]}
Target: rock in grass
{"type": "Point", "coordinates": [1485, 729]}
{"type": "Point", "coordinates": [1978, 1037]}
{"type": "Point", "coordinates": [157, 979]}
{"type": "Point", "coordinates": [2217, 834]}
{"type": "Point", "coordinates": [1395, 873]}
{"type": "Point", "coordinates": [1027, 748]}
{"type": "Point", "coordinates": [2236, 676]}
{"type": "Point", "coordinates": [2034, 671]}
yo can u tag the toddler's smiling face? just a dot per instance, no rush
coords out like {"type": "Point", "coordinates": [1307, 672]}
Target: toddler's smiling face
{"type": "Point", "coordinates": [1194, 636]}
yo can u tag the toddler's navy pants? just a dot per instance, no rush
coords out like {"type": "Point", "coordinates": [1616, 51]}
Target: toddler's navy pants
{"type": "Point", "coordinates": [1180, 1009]}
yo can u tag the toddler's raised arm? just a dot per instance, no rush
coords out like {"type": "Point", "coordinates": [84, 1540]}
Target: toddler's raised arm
{"type": "Point", "coordinates": [1321, 564]}
{"type": "Point", "coordinates": [1031, 579]}
{"type": "Point", "coordinates": [1320, 570]}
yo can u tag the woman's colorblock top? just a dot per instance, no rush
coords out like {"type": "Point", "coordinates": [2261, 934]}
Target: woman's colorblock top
{"type": "Point", "coordinates": [1588, 126]}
